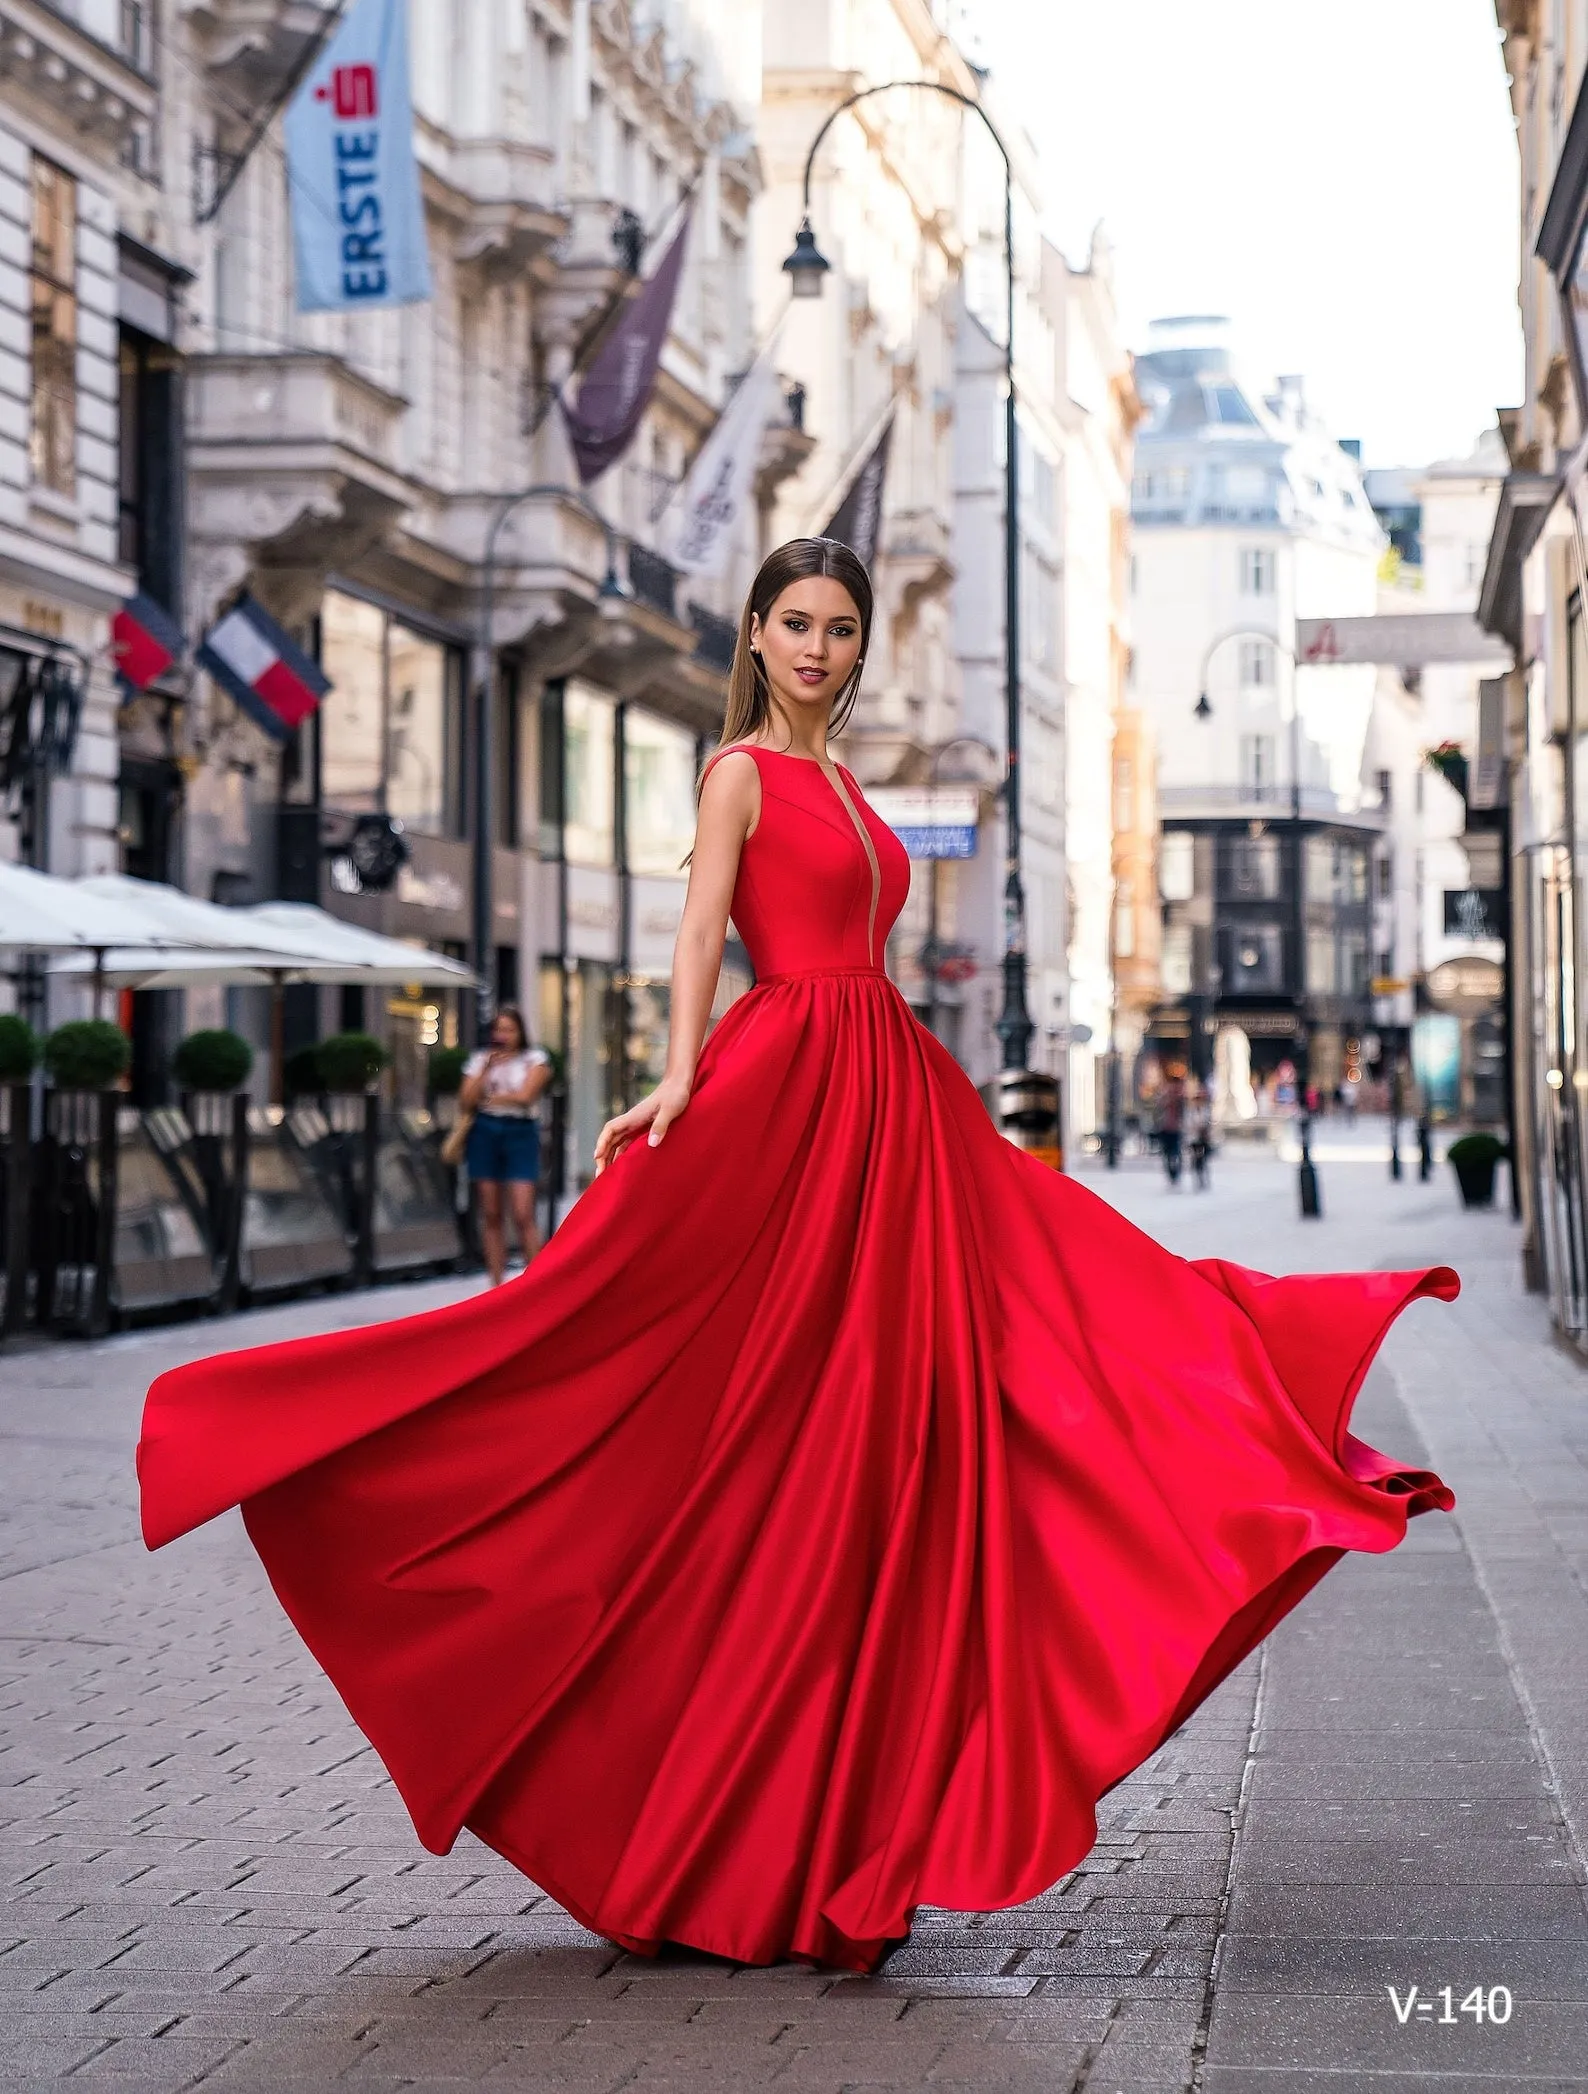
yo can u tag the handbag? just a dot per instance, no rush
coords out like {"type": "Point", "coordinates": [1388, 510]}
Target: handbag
{"type": "Point", "coordinates": [457, 1140]}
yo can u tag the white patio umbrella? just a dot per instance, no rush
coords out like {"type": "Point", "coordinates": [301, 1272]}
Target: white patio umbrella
{"type": "Point", "coordinates": [271, 945]}
{"type": "Point", "coordinates": [40, 913]}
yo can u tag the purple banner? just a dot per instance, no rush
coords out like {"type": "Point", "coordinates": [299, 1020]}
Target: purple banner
{"type": "Point", "coordinates": [616, 388]}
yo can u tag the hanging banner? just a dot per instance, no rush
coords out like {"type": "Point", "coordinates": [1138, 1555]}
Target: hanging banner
{"type": "Point", "coordinates": [358, 223]}
{"type": "Point", "coordinates": [616, 389]}
{"type": "Point", "coordinates": [857, 521]}
{"type": "Point", "coordinates": [707, 506]}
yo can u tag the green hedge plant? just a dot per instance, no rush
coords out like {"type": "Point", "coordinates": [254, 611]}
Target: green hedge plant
{"type": "Point", "coordinates": [212, 1060]}
{"type": "Point", "coordinates": [1479, 1148]}
{"type": "Point", "coordinates": [445, 1071]}
{"type": "Point", "coordinates": [301, 1072]}
{"type": "Point", "coordinates": [351, 1061]}
{"type": "Point", "coordinates": [19, 1049]}
{"type": "Point", "coordinates": [88, 1054]}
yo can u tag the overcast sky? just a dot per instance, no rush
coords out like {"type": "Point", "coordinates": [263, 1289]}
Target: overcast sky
{"type": "Point", "coordinates": [1341, 180]}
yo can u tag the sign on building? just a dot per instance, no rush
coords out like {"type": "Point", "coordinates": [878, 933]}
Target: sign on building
{"type": "Point", "coordinates": [929, 824]}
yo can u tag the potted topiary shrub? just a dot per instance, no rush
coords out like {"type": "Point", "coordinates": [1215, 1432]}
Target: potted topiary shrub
{"type": "Point", "coordinates": [444, 1072]}
{"type": "Point", "coordinates": [19, 1049]}
{"type": "Point", "coordinates": [213, 1060]}
{"type": "Point", "coordinates": [87, 1054]}
{"type": "Point", "coordinates": [301, 1072]}
{"type": "Point", "coordinates": [1473, 1158]}
{"type": "Point", "coordinates": [351, 1061]}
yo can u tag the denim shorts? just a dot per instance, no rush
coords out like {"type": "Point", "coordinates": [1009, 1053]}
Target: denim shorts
{"type": "Point", "coordinates": [502, 1150]}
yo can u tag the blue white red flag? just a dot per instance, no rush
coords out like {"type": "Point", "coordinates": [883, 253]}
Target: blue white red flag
{"type": "Point", "coordinates": [358, 222]}
{"type": "Point", "coordinates": [268, 674]}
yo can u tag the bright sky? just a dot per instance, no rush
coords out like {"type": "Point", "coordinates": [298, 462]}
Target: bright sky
{"type": "Point", "coordinates": [1341, 180]}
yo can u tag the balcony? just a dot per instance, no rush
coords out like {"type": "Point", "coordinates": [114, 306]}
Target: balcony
{"type": "Point", "coordinates": [295, 452]}
{"type": "Point", "coordinates": [501, 195]}
{"type": "Point", "coordinates": [252, 47]}
{"type": "Point", "coordinates": [1267, 802]}
{"type": "Point", "coordinates": [85, 68]}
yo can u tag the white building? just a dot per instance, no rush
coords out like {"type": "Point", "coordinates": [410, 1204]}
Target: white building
{"type": "Point", "coordinates": [1248, 515]}
{"type": "Point", "coordinates": [84, 308]}
{"type": "Point", "coordinates": [348, 471]}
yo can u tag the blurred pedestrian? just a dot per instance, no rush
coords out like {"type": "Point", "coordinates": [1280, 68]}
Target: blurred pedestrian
{"type": "Point", "coordinates": [1171, 1117]}
{"type": "Point", "coordinates": [501, 1084]}
{"type": "Point", "coordinates": [1199, 1132]}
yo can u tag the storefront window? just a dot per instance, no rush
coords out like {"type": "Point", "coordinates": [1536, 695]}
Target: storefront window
{"type": "Point", "coordinates": [589, 781]}
{"type": "Point", "coordinates": [390, 726]}
{"type": "Point", "coordinates": [416, 731]}
{"type": "Point", "coordinates": [594, 1064]}
{"type": "Point", "coordinates": [352, 654]}
{"type": "Point", "coordinates": [659, 792]}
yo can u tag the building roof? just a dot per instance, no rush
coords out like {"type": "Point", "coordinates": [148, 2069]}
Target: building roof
{"type": "Point", "coordinates": [1216, 449]}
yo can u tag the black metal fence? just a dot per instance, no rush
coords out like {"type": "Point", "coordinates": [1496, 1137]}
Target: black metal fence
{"type": "Point", "coordinates": [108, 1213]}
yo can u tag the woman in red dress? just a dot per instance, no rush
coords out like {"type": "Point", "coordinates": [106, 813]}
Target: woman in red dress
{"type": "Point", "coordinates": [843, 1500]}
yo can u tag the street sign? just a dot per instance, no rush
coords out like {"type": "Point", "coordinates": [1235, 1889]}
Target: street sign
{"type": "Point", "coordinates": [1398, 639]}
{"type": "Point", "coordinates": [929, 824]}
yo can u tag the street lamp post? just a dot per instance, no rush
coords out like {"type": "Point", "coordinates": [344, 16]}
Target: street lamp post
{"type": "Point", "coordinates": [1311, 1208]}
{"type": "Point", "coordinates": [483, 678]}
{"type": "Point", "coordinates": [807, 267]}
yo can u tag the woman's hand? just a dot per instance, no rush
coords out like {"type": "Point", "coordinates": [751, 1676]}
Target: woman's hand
{"type": "Point", "coordinates": [658, 1112]}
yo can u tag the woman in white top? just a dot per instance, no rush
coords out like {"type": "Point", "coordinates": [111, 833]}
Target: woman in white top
{"type": "Point", "coordinates": [501, 1084]}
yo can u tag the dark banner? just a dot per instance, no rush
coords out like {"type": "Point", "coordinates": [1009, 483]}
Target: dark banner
{"type": "Point", "coordinates": [615, 390]}
{"type": "Point", "coordinates": [857, 521]}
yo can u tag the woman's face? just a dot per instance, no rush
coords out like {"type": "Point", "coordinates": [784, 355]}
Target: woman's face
{"type": "Point", "coordinates": [504, 1032]}
{"type": "Point", "coordinates": [809, 642]}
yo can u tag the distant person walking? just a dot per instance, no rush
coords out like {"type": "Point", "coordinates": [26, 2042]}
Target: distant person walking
{"type": "Point", "coordinates": [1199, 1132]}
{"type": "Point", "coordinates": [501, 1084]}
{"type": "Point", "coordinates": [1171, 1119]}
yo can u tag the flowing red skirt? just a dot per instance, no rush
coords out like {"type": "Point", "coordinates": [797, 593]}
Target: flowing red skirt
{"type": "Point", "coordinates": [840, 1504]}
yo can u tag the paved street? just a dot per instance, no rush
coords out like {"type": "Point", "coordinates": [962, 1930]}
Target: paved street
{"type": "Point", "coordinates": [207, 1880]}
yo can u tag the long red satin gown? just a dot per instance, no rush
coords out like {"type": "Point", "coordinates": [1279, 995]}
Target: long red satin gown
{"type": "Point", "coordinates": [839, 1505]}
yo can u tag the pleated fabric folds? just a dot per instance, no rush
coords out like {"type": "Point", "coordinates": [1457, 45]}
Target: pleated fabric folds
{"type": "Point", "coordinates": [841, 1503]}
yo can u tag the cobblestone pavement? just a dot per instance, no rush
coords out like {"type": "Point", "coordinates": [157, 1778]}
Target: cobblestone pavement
{"type": "Point", "coordinates": [206, 1879]}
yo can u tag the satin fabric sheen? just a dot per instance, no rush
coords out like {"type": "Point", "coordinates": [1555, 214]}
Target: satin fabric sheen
{"type": "Point", "coordinates": [839, 1505]}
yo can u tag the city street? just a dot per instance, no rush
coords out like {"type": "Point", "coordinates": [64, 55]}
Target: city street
{"type": "Point", "coordinates": [208, 1881]}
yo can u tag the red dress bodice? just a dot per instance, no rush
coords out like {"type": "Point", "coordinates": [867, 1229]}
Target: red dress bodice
{"type": "Point", "coordinates": [803, 900]}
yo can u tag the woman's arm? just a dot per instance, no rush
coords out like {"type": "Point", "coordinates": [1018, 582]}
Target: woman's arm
{"type": "Point", "coordinates": [730, 800]}
{"type": "Point", "coordinates": [472, 1089]}
{"type": "Point", "coordinates": [530, 1089]}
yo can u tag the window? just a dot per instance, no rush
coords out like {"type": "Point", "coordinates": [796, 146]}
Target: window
{"type": "Point", "coordinates": [352, 644]}
{"type": "Point", "coordinates": [1124, 921]}
{"type": "Point", "coordinates": [1254, 959]}
{"type": "Point", "coordinates": [1229, 406]}
{"type": "Point", "coordinates": [1177, 865]}
{"type": "Point", "coordinates": [658, 792]}
{"type": "Point", "coordinates": [1336, 871]}
{"type": "Point", "coordinates": [1257, 765]}
{"type": "Point", "coordinates": [390, 737]}
{"type": "Point", "coordinates": [1257, 570]}
{"type": "Point", "coordinates": [416, 730]}
{"type": "Point", "coordinates": [1322, 978]}
{"type": "Point", "coordinates": [1175, 961]}
{"type": "Point", "coordinates": [1257, 664]}
{"type": "Point", "coordinates": [1124, 795]}
{"type": "Point", "coordinates": [589, 776]}
{"type": "Point", "coordinates": [1253, 868]}
{"type": "Point", "coordinates": [53, 433]}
